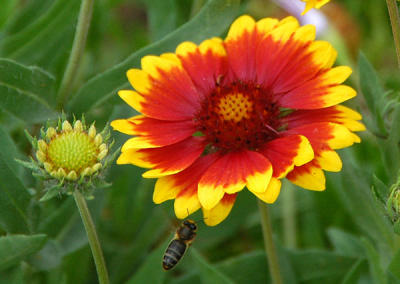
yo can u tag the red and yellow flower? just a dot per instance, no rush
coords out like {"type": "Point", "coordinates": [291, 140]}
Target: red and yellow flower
{"type": "Point", "coordinates": [310, 4]}
{"type": "Point", "coordinates": [246, 111]}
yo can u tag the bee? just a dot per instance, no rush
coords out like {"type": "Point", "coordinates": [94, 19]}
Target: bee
{"type": "Point", "coordinates": [184, 236]}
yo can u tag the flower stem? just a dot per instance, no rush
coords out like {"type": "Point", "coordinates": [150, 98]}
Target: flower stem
{"type": "Point", "coordinates": [270, 249]}
{"type": "Point", "coordinates": [395, 22]}
{"type": "Point", "coordinates": [289, 217]}
{"type": "Point", "coordinates": [92, 237]}
{"type": "Point", "coordinates": [85, 15]}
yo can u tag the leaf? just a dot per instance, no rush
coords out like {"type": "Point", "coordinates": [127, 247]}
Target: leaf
{"type": "Point", "coordinates": [146, 237]}
{"type": "Point", "coordinates": [354, 191]}
{"type": "Point", "coordinates": [7, 7]}
{"type": "Point", "coordinates": [354, 273]}
{"type": "Point", "coordinates": [14, 198]}
{"type": "Point", "coordinates": [374, 261]}
{"type": "Point", "coordinates": [390, 146]}
{"type": "Point", "coordinates": [59, 15]}
{"type": "Point", "coordinates": [212, 20]}
{"type": "Point", "coordinates": [380, 189]}
{"type": "Point", "coordinates": [247, 268]}
{"type": "Point", "coordinates": [26, 15]}
{"type": "Point", "coordinates": [345, 243]}
{"type": "Point", "coordinates": [49, 257]}
{"type": "Point", "coordinates": [151, 271]}
{"type": "Point", "coordinates": [164, 17]}
{"type": "Point", "coordinates": [208, 272]}
{"type": "Point", "coordinates": [373, 92]}
{"type": "Point", "coordinates": [326, 267]}
{"type": "Point", "coordinates": [26, 91]}
{"type": "Point", "coordinates": [15, 248]}
{"type": "Point", "coordinates": [394, 266]}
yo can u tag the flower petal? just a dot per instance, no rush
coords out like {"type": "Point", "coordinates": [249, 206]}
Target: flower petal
{"type": "Point", "coordinates": [286, 152]}
{"type": "Point", "coordinates": [337, 114]}
{"type": "Point", "coordinates": [231, 173]}
{"type": "Point", "coordinates": [165, 190]}
{"type": "Point", "coordinates": [272, 192]}
{"type": "Point", "coordinates": [186, 202]}
{"type": "Point", "coordinates": [153, 132]}
{"type": "Point", "coordinates": [182, 181]}
{"type": "Point", "coordinates": [218, 213]}
{"type": "Point", "coordinates": [333, 135]}
{"type": "Point", "coordinates": [132, 98]}
{"type": "Point", "coordinates": [328, 160]}
{"type": "Point", "coordinates": [205, 64]}
{"type": "Point", "coordinates": [243, 24]}
{"type": "Point", "coordinates": [308, 176]}
{"type": "Point", "coordinates": [166, 90]}
{"type": "Point", "coordinates": [165, 160]}
{"type": "Point", "coordinates": [125, 126]}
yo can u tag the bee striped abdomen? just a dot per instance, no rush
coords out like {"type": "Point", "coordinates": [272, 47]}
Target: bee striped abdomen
{"type": "Point", "coordinates": [173, 254]}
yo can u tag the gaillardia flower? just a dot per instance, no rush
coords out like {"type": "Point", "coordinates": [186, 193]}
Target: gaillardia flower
{"type": "Point", "coordinates": [245, 111]}
{"type": "Point", "coordinates": [70, 158]}
{"type": "Point", "coordinates": [313, 4]}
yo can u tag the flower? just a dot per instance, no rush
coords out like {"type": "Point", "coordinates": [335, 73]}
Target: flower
{"type": "Point", "coordinates": [70, 157]}
{"type": "Point", "coordinates": [313, 4]}
{"type": "Point", "coordinates": [246, 111]}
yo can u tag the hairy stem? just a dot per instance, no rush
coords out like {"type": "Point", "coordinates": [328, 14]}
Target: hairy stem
{"type": "Point", "coordinates": [92, 237]}
{"type": "Point", "coordinates": [395, 22]}
{"type": "Point", "coordinates": [78, 47]}
{"type": "Point", "coordinates": [270, 248]}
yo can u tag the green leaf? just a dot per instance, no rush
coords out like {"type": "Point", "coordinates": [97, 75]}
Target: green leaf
{"type": "Point", "coordinates": [151, 271]}
{"type": "Point", "coordinates": [390, 146]}
{"type": "Point", "coordinates": [354, 191]}
{"type": "Point", "coordinates": [326, 267]}
{"type": "Point", "coordinates": [247, 268]}
{"type": "Point", "coordinates": [14, 198]}
{"type": "Point", "coordinates": [380, 189]}
{"type": "Point", "coordinates": [26, 92]}
{"type": "Point", "coordinates": [49, 257]}
{"type": "Point", "coordinates": [26, 15]}
{"type": "Point", "coordinates": [354, 273]}
{"type": "Point", "coordinates": [373, 92]}
{"type": "Point", "coordinates": [394, 266]}
{"type": "Point", "coordinates": [374, 260]}
{"type": "Point", "coordinates": [60, 15]}
{"type": "Point", "coordinates": [51, 192]}
{"type": "Point", "coordinates": [164, 17]}
{"type": "Point", "coordinates": [7, 7]}
{"type": "Point", "coordinates": [209, 273]}
{"type": "Point", "coordinates": [212, 20]}
{"type": "Point", "coordinates": [15, 248]}
{"type": "Point", "coordinates": [346, 244]}
{"type": "Point", "coordinates": [149, 233]}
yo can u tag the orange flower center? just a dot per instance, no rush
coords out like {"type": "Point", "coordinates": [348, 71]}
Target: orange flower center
{"type": "Point", "coordinates": [234, 107]}
{"type": "Point", "coordinates": [241, 115]}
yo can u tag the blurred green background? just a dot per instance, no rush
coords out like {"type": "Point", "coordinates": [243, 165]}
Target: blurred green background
{"type": "Point", "coordinates": [341, 235]}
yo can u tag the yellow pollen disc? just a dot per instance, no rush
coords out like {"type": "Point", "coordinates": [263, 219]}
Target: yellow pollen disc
{"type": "Point", "coordinates": [72, 151]}
{"type": "Point", "coordinates": [234, 107]}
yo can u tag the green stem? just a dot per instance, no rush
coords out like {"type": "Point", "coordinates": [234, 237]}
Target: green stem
{"type": "Point", "coordinates": [289, 217]}
{"type": "Point", "coordinates": [78, 47]}
{"type": "Point", "coordinates": [395, 22]}
{"type": "Point", "coordinates": [92, 237]}
{"type": "Point", "coordinates": [270, 249]}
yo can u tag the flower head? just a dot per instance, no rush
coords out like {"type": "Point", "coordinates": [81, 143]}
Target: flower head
{"type": "Point", "coordinates": [313, 4]}
{"type": "Point", "coordinates": [245, 111]}
{"type": "Point", "coordinates": [70, 157]}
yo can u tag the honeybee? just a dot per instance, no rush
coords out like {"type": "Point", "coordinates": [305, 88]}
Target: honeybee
{"type": "Point", "coordinates": [184, 236]}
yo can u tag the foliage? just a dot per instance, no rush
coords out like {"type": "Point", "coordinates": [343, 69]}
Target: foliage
{"type": "Point", "coordinates": [344, 235]}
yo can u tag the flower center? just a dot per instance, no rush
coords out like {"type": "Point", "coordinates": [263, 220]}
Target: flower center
{"type": "Point", "coordinates": [234, 107]}
{"type": "Point", "coordinates": [72, 151]}
{"type": "Point", "coordinates": [241, 115]}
